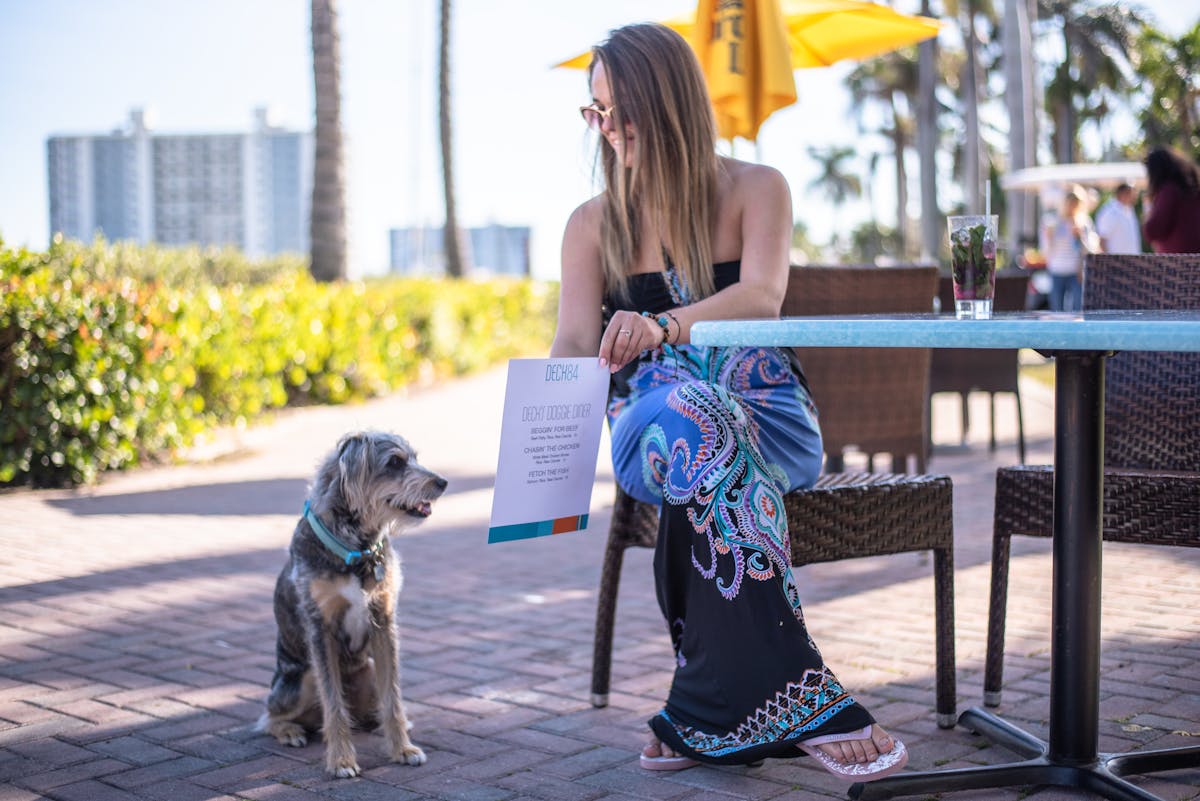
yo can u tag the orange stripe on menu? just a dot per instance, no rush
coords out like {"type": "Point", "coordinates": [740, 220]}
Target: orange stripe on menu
{"type": "Point", "coordinates": [562, 525]}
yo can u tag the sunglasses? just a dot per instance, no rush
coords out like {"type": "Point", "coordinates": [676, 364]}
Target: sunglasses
{"type": "Point", "coordinates": [595, 115]}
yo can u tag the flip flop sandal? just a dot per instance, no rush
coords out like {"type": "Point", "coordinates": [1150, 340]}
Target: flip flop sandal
{"type": "Point", "coordinates": [883, 765]}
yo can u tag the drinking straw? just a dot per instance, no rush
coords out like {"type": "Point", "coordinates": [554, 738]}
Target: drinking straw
{"type": "Point", "coordinates": [987, 198]}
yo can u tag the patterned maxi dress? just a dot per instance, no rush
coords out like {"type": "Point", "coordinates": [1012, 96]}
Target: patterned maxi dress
{"type": "Point", "coordinates": [717, 436]}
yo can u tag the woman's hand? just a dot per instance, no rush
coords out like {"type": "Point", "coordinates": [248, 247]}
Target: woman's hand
{"type": "Point", "coordinates": [628, 335]}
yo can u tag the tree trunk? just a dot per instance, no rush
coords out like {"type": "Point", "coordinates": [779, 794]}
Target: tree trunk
{"type": "Point", "coordinates": [972, 167]}
{"type": "Point", "coordinates": [900, 146]}
{"type": "Point", "coordinates": [1018, 93]}
{"type": "Point", "coordinates": [327, 216]}
{"type": "Point", "coordinates": [451, 238]}
{"type": "Point", "coordinates": [1063, 137]}
{"type": "Point", "coordinates": [931, 218]}
{"type": "Point", "coordinates": [1065, 121]}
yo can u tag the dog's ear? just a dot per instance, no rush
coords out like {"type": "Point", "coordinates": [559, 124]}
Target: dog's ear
{"type": "Point", "coordinates": [354, 467]}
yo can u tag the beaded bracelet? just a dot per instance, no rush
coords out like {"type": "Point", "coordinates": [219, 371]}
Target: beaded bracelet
{"type": "Point", "coordinates": [662, 323]}
{"type": "Point", "coordinates": [678, 327]}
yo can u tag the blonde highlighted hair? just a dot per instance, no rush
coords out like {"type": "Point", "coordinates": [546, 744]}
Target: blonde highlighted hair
{"type": "Point", "coordinates": [658, 87]}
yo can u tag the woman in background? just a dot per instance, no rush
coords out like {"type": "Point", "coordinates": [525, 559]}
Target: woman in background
{"type": "Point", "coordinates": [1172, 224]}
{"type": "Point", "coordinates": [1068, 236]}
{"type": "Point", "coordinates": [715, 436]}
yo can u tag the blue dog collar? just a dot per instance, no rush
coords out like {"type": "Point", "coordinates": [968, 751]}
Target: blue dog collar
{"type": "Point", "coordinates": [336, 546]}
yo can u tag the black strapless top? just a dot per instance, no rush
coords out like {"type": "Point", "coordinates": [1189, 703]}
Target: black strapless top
{"type": "Point", "coordinates": [651, 292]}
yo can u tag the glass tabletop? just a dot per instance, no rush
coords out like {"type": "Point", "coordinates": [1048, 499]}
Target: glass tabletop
{"type": "Point", "coordinates": [1045, 331]}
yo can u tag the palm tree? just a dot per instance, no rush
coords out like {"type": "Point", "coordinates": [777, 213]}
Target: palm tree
{"type": "Point", "coordinates": [327, 217]}
{"type": "Point", "coordinates": [451, 238]}
{"type": "Point", "coordinates": [1169, 67]}
{"type": "Point", "coordinates": [891, 80]}
{"type": "Point", "coordinates": [971, 83]}
{"type": "Point", "coordinates": [834, 181]}
{"type": "Point", "coordinates": [1019, 74]}
{"type": "Point", "coordinates": [927, 124]}
{"type": "Point", "coordinates": [1098, 42]}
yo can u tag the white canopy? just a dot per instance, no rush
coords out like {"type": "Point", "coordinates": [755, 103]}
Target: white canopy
{"type": "Point", "coordinates": [1060, 176]}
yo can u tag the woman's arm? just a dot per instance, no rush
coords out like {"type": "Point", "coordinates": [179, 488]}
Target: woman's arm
{"type": "Point", "coordinates": [582, 289]}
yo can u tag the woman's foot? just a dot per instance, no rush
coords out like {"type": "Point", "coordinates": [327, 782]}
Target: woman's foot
{"type": "Point", "coordinates": [860, 751]}
{"type": "Point", "coordinates": [659, 756]}
{"type": "Point", "coordinates": [862, 756]}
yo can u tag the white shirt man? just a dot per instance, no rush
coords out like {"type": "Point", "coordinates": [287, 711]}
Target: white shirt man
{"type": "Point", "coordinates": [1117, 223]}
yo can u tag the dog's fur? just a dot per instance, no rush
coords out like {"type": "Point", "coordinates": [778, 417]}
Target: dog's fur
{"type": "Point", "coordinates": [337, 654]}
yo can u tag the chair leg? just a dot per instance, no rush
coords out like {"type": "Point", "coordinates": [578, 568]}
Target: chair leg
{"type": "Point", "coordinates": [943, 583]}
{"type": "Point", "coordinates": [1020, 428]}
{"type": "Point", "coordinates": [964, 398]}
{"type": "Point", "coordinates": [993, 671]}
{"type": "Point", "coordinates": [991, 422]}
{"type": "Point", "coordinates": [606, 611]}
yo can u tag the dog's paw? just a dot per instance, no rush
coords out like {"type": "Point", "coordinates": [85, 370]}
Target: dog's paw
{"type": "Point", "coordinates": [346, 768]}
{"type": "Point", "coordinates": [409, 755]}
{"type": "Point", "coordinates": [292, 734]}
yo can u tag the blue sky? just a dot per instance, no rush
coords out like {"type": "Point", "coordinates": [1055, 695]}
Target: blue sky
{"type": "Point", "coordinates": [79, 66]}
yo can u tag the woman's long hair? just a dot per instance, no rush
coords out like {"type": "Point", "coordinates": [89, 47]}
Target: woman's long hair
{"type": "Point", "coordinates": [1166, 165]}
{"type": "Point", "coordinates": [657, 86]}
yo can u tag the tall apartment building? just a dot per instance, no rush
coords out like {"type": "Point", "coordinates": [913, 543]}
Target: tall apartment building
{"type": "Point", "coordinates": [250, 190]}
{"type": "Point", "coordinates": [497, 249]}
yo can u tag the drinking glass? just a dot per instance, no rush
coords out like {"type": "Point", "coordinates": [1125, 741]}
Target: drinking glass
{"type": "Point", "coordinates": [973, 264]}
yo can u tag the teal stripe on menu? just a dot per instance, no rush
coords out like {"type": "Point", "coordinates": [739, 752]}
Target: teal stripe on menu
{"type": "Point", "coordinates": [538, 528]}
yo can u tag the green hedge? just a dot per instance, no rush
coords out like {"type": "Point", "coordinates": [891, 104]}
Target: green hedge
{"type": "Point", "coordinates": [111, 355]}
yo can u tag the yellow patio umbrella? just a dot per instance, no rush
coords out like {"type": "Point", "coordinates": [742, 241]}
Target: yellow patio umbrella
{"type": "Point", "coordinates": [742, 48]}
{"type": "Point", "coordinates": [821, 32]}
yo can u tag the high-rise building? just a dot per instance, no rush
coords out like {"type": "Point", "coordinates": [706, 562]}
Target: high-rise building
{"type": "Point", "coordinates": [497, 249]}
{"type": "Point", "coordinates": [249, 190]}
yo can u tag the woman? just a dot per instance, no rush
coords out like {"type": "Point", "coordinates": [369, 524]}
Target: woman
{"type": "Point", "coordinates": [716, 436]}
{"type": "Point", "coordinates": [1172, 224]}
{"type": "Point", "coordinates": [1068, 236]}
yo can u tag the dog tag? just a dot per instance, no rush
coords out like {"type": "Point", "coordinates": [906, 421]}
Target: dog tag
{"type": "Point", "coordinates": [380, 571]}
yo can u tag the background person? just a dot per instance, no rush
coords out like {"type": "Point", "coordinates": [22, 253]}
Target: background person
{"type": "Point", "coordinates": [1068, 236]}
{"type": "Point", "coordinates": [714, 435]}
{"type": "Point", "coordinates": [1117, 223]}
{"type": "Point", "coordinates": [1172, 223]}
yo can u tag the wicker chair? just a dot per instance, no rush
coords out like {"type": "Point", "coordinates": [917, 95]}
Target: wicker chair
{"type": "Point", "coordinates": [965, 371]}
{"type": "Point", "coordinates": [843, 516]}
{"type": "Point", "coordinates": [1151, 438]}
{"type": "Point", "coordinates": [872, 400]}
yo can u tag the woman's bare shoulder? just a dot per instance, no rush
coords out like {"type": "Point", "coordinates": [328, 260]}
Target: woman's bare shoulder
{"type": "Point", "coordinates": [587, 215]}
{"type": "Point", "coordinates": [746, 176]}
{"type": "Point", "coordinates": [582, 234]}
{"type": "Point", "coordinates": [752, 186]}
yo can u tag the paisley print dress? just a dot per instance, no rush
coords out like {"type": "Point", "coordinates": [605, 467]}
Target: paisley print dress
{"type": "Point", "coordinates": [717, 436]}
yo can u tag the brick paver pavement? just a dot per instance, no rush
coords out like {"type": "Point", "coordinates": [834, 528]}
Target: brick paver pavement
{"type": "Point", "coordinates": [136, 632]}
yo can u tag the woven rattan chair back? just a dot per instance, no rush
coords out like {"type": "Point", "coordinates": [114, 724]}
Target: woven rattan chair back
{"type": "Point", "coordinates": [1151, 438]}
{"type": "Point", "coordinates": [1151, 400]}
{"type": "Point", "coordinates": [963, 370]}
{"type": "Point", "coordinates": [872, 400]}
{"type": "Point", "coordinates": [845, 515]}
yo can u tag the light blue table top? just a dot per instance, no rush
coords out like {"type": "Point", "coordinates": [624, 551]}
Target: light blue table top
{"type": "Point", "coordinates": [1044, 331]}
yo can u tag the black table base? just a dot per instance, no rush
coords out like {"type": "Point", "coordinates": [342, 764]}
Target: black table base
{"type": "Point", "coordinates": [1101, 775]}
{"type": "Point", "coordinates": [1070, 757]}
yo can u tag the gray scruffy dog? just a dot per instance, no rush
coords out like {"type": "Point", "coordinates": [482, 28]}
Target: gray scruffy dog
{"type": "Point", "coordinates": [337, 654]}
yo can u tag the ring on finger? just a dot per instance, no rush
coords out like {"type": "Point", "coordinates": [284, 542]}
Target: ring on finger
{"type": "Point", "coordinates": [626, 332]}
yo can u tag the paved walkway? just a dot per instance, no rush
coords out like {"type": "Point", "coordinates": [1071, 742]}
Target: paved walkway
{"type": "Point", "coordinates": [136, 632]}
